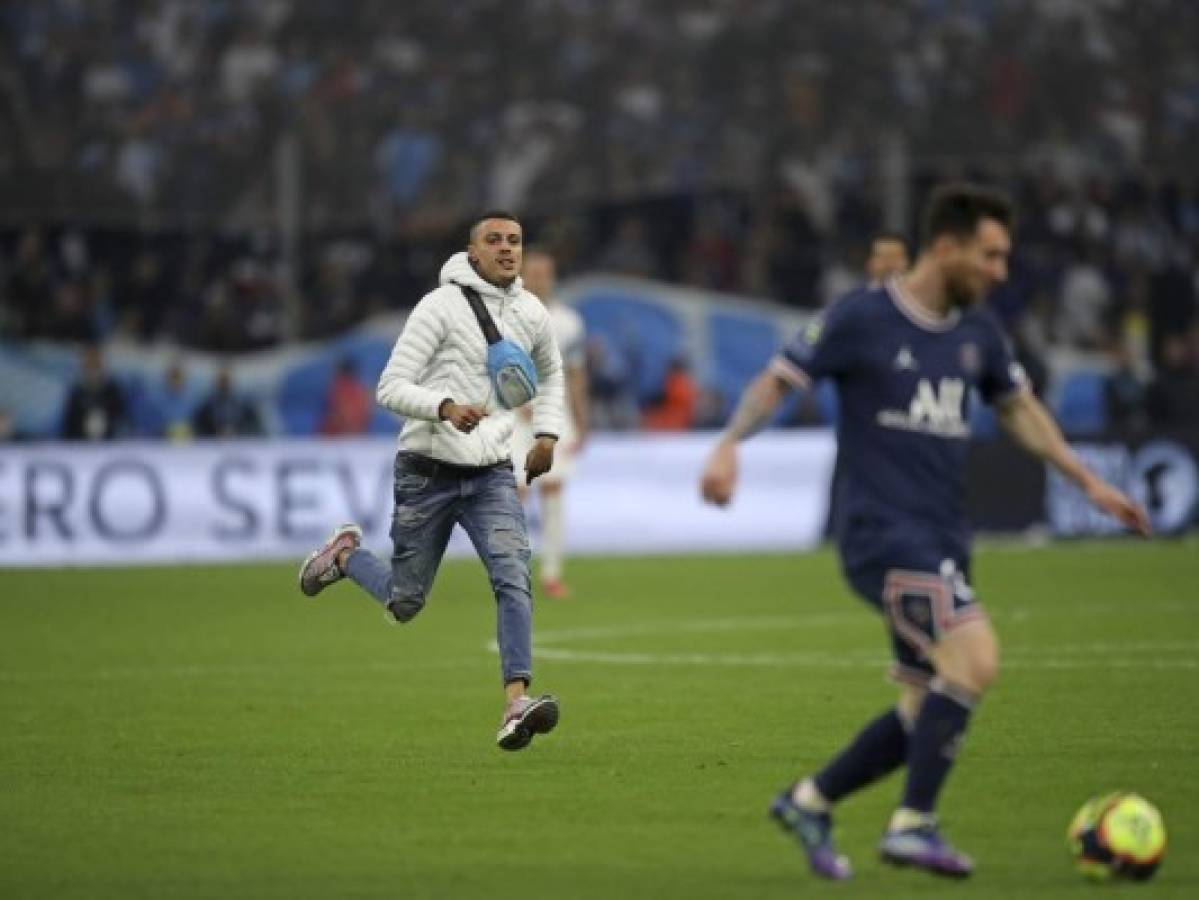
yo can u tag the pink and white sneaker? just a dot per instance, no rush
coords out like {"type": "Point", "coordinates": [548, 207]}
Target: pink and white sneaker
{"type": "Point", "coordinates": [525, 717]}
{"type": "Point", "coordinates": [320, 569]}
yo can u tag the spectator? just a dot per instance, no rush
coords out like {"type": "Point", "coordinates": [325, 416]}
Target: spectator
{"type": "Point", "coordinates": [29, 286]}
{"type": "Point", "coordinates": [349, 404]}
{"type": "Point", "coordinates": [710, 257]}
{"type": "Point", "coordinates": [676, 410]}
{"type": "Point", "coordinates": [1131, 327]}
{"type": "Point", "coordinates": [96, 407]}
{"type": "Point", "coordinates": [1173, 305]}
{"type": "Point", "coordinates": [1124, 393]}
{"type": "Point", "coordinates": [1086, 299]}
{"type": "Point", "coordinates": [1173, 399]}
{"type": "Point", "coordinates": [224, 414]}
{"type": "Point", "coordinates": [170, 407]}
{"type": "Point", "coordinates": [629, 253]}
{"type": "Point", "coordinates": [72, 312]}
{"type": "Point", "coordinates": [9, 433]}
{"type": "Point", "coordinates": [146, 296]}
{"type": "Point", "coordinates": [612, 406]}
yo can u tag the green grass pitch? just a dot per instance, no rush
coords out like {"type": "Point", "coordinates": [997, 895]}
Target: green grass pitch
{"type": "Point", "coordinates": [207, 732]}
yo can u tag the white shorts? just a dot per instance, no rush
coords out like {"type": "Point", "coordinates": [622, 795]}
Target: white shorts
{"type": "Point", "coordinates": [564, 457]}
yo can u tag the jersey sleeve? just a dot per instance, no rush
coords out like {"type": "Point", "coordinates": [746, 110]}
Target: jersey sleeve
{"type": "Point", "coordinates": [1001, 375]}
{"type": "Point", "coordinates": [823, 348]}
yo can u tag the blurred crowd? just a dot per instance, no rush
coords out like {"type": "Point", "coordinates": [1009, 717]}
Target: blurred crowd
{"type": "Point", "coordinates": [746, 146]}
{"type": "Point", "coordinates": [406, 113]}
{"type": "Point", "coordinates": [1105, 268]}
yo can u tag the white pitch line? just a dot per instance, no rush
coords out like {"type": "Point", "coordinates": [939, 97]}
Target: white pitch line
{"type": "Point", "coordinates": [799, 660]}
{"type": "Point", "coordinates": [701, 626]}
{"type": "Point", "coordinates": [121, 673]}
{"type": "Point", "coordinates": [1119, 655]}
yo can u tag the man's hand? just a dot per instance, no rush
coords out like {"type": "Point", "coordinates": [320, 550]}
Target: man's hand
{"type": "Point", "coordinates": [464, 417]}
{"type": "Point", "coordinates": [540, 458]}
{"type": "Point", "coordinates": [719, 479]}
{"type": "Point", "coordinates": [1117, 503]}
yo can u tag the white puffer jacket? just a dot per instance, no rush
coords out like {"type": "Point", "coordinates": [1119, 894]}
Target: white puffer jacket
{"type": "Point", "coordinates": [441, 353]}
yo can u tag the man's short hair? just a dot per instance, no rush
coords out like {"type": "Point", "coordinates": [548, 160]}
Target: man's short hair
{"type": "Point", "coordinates": [490, 214]}
{"type": "Point", "coordinates": [956, 209]}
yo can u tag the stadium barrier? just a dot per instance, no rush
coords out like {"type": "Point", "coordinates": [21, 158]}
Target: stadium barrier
{"type": "Point", "coordinates": [1010, 491]}
{"type": "Point", "coordinates": [140, 502]}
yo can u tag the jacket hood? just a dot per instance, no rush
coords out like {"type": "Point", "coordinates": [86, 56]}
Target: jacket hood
{"type": "Point", "coordinates": [458, 270]}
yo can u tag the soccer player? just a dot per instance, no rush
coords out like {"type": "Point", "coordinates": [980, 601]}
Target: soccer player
{"type": "Point", "coordinates": [541, 277]}
{"type": "Point", "coordinates": [888, 256]}
{"type": "Point", "coordinates": [904, 357]}
{"type": "Point", "coordinates": [453, 465]}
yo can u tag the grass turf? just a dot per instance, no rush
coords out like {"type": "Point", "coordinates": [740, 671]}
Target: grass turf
{"type": "Point", "coordinates": [205, 732]}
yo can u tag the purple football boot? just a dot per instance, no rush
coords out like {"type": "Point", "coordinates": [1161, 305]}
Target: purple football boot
{"type": "Point", "coordinates": [924, 848]}
{"type": "Point", "coordinates": [815, 833]}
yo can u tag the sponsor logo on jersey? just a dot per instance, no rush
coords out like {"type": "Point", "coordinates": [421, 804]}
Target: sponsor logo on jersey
{"type": "Point", "coordinates": [811, 333]}
{"type": "Point", "coordinates": [932, 410]}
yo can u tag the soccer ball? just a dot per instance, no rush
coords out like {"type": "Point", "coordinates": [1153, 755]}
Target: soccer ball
{"type": "Point", "coordinates": [1118, 835]}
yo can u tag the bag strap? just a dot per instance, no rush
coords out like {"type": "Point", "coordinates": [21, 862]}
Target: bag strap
{"type": "Point", "coordinates": [480, 310]}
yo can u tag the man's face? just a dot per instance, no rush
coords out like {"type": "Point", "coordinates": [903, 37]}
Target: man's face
{"type": "Point", "coordinates": [887, 257]}
{"type": "Point", "coordinates": [495, 248]}
{"type": "Point", "coordinates": [974, 265]}
{"type": "Point", "coordinates": [540, 275]}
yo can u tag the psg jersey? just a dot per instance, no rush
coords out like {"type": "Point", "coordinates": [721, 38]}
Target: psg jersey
{"type": "Point", "coordinates": [905, 382]}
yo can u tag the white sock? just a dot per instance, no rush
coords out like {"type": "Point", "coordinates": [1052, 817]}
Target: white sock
{"type": "Point", "coordinates": [552, 536]}
{"type": "Point", "coordinates": [806, 795]}
{"type": "Point", "coordinates": [904, 818]}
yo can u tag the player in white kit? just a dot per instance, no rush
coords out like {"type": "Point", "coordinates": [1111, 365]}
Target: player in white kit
{"type": "Point", "coordinates": [540, 277]}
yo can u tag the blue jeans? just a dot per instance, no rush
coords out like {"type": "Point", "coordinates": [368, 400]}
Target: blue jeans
{"type": "Point", "coordinates": [485, 504]}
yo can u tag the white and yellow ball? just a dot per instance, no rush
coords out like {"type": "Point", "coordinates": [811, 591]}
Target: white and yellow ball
{"type": "Point", "coordinates": [1119, 835]}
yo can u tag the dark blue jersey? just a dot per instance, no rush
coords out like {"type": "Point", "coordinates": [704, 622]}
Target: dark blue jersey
{"type": "Point", "coordinates": [904, 381]}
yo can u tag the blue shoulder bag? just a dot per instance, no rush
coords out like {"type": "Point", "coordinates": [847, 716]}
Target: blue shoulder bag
{"type": "Point", "coordinates": [513, 375]}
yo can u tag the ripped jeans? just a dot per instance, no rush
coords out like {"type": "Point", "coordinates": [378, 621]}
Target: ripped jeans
{"type": "Point", "coordinates": [427, 506]}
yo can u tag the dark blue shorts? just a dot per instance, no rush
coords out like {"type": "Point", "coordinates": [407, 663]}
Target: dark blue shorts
{"type": "Point", "coordinates": [922, 596]}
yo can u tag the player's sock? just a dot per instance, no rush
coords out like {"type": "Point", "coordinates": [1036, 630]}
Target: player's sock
{"type": "Point", "coordinates": [879, 749]}
{"type": "Point", "coordinates": [903, 819]}
{"type": "Point", "coordinates": [938, 732]}
{"type": "Point", "coordinates": [807, 796]}
{"type": "Point", "coordinates": [552, 536]}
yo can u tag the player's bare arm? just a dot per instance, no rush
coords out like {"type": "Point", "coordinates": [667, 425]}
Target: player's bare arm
{"type": "Point", "coordinates": [756, 407]}
{"type": "Point", "coordinates": [1025, 418]}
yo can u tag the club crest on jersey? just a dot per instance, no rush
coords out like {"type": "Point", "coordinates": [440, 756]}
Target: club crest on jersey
{"type": "Point", "coordinates": [971, 358]}
{"type": "Point", "coordinates": [811, 332]}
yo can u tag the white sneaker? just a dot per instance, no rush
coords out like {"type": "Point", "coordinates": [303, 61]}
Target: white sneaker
{"type": "Point", "coordinates": [320, 569]}
{"type": "Point", "coordinates": [525, 717]}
